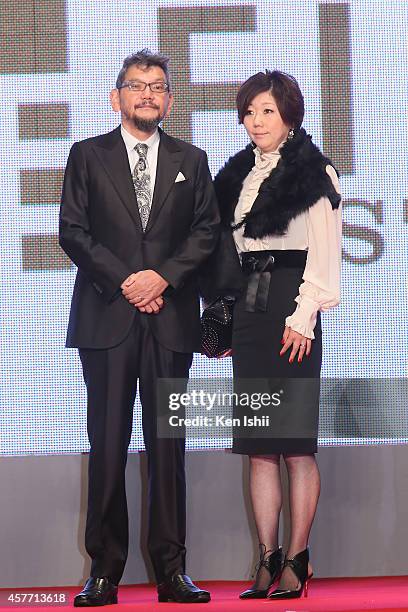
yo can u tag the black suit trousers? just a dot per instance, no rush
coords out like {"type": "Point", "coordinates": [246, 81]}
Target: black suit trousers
{"type": "Point", "coordinates": [111, 378]}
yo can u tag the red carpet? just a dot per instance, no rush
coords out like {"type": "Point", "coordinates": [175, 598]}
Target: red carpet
{"type": "Point", "coordinates": [325, 595]}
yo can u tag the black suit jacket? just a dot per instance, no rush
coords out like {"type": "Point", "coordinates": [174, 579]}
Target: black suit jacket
{"type": "Point", "coordinates": [101, 232]}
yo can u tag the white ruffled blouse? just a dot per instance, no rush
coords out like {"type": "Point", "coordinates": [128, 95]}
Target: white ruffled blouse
{"type": "Point", "coordinates": [317, 230]}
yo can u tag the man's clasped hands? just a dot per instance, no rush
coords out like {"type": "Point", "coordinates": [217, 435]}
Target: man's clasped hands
{"type": "Point", "coordinates": [144, 290]}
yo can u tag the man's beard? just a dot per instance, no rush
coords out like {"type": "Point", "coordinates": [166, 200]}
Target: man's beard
{"type": "Point", "coordinates": [146, 125]}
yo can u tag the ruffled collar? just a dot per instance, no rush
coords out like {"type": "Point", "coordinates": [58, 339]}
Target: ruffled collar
{"type": "Point", "coordinates": [265, 160]}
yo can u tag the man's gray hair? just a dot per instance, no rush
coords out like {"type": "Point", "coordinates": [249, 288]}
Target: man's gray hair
{"type": "Point", "coordinates": [144, 59]}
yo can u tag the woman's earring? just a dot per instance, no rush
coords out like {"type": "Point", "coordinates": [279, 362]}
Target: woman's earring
{"type": "Point", "coordinates": [291, 134]}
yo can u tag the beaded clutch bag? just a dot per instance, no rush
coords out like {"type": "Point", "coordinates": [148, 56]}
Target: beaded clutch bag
{"type": "Point", "coordinates": [216, 327]}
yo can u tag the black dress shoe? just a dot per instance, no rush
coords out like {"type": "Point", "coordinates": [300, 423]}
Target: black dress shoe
{"type": "Point", "coordinates": [182, 590]}
{"type": "Point", "coordinates": [97, 592]}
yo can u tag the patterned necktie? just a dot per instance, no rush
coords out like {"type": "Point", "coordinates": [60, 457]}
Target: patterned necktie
{"type": "Point", "coordinates": [141, 182]}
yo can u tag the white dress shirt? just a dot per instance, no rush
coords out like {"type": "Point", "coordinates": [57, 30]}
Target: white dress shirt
{"type": "Point", "coordinates": [152, 152]}
{"type": "Point", "coordinates": [317, 230]}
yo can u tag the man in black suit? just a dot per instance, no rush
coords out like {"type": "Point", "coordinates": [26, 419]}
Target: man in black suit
{"type": "Point", "coordinates": [138, 217]}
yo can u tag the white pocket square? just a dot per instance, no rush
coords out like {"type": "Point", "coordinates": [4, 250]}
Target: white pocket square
{"type": "Point", "coordinates": [180, 177]}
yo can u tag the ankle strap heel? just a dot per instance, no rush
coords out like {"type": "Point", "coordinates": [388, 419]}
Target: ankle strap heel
{"type": "Point", "coordinates": [299, 566]}
{"type": "Point", "coordinates": [271, 562]}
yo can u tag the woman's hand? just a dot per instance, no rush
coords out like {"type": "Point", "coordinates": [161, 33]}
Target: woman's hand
{"type": "Point", "coordinates": [298, 342]}
{"type": "Point", "coordinates": [227, 353]}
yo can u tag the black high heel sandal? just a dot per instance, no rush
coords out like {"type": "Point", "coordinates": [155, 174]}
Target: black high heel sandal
{"type": "Point", "coordinates": [273, 563]}
{"type": "Point", "coordinates": [299, 566]}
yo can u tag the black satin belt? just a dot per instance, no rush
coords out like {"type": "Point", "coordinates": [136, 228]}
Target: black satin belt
{"type": "Point", "coordinates": [258, 265]}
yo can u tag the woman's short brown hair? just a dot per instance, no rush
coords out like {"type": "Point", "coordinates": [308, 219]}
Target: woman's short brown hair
{"type": "Point", "coordinates": [283, 87]}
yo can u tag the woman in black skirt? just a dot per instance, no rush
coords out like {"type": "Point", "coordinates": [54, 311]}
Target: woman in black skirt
{"type": "Point", "coordinates": [280, 197]}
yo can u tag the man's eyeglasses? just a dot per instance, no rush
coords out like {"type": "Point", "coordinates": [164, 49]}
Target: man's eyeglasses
{"type": "Point", "coordinates": [156, 87]}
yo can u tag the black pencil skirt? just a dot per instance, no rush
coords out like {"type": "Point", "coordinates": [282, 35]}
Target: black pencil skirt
{"type": "Point", "coordinates": [288, 423]}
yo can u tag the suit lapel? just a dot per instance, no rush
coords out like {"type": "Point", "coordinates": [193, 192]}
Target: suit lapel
{"type": "Point", "coordinates": [113, 156]}
{"type": "Point", "coordinates": [169, 159]}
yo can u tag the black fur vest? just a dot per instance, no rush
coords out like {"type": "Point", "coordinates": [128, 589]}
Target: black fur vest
{"type": "Point", "coordinates": [297, 182]}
